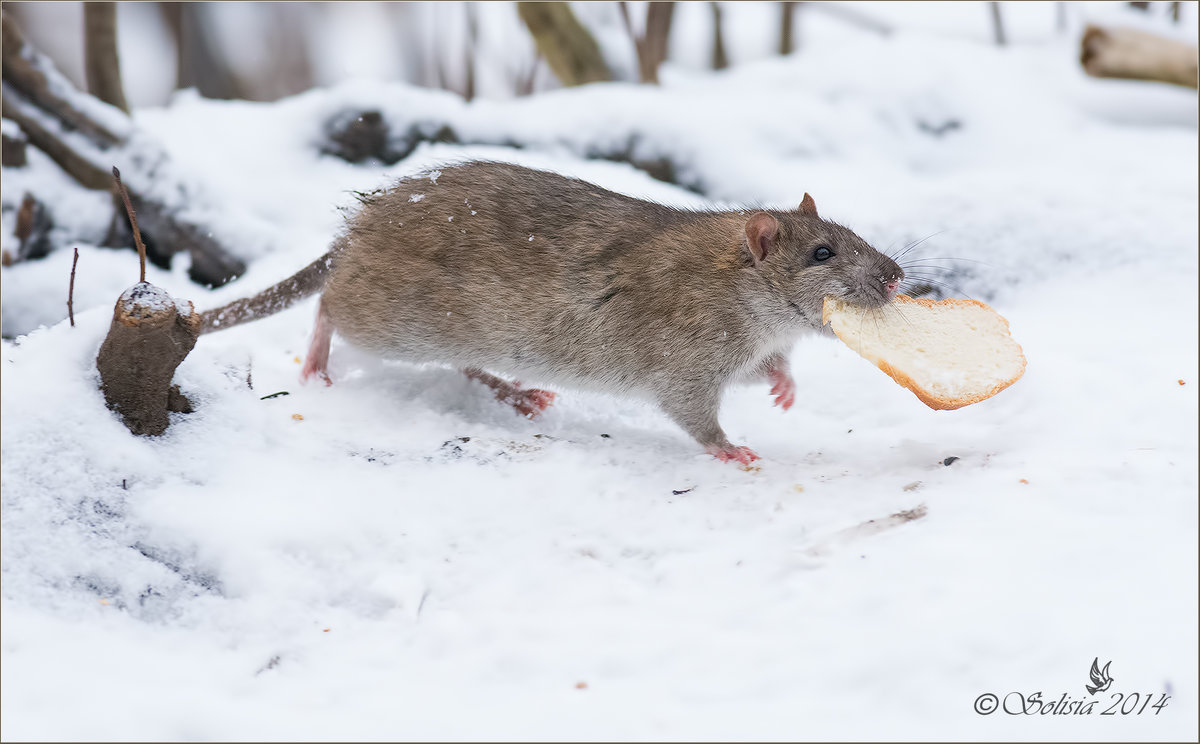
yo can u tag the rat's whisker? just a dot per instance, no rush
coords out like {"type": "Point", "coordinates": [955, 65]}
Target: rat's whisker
{"type": "Point", "coordinates": [919, 259]}
{"type": "Point", "coordinates": [914, 244]}
{"type": "Point", "coordinates": [945, 285]}
{"type": "Point", "coordinates": [899, 311]}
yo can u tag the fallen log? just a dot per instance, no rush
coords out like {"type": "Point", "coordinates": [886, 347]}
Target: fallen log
{"type": "Point", "coordinates": [1130, 54]}
{"type": "Point", "coordinates": [79, 132]}
{"type": "Point", "coordinates": [358, 136]}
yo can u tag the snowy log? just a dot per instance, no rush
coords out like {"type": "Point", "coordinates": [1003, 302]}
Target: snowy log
{"type": "Point", "coordinates": [1137, 55]}
{"type": "Point", "coordinates": [358, 136]}
{"type": "Point", "coordinates": [84, 135]}
{"type": "Point", "coordinates": [150, 335]}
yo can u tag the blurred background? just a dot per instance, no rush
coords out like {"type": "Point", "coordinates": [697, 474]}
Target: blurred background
{"type": "Point", "coordinates": [265, 51]}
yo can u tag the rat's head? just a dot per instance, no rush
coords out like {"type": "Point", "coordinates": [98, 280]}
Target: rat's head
{"type": "Point", "coordinates": [802, 259]}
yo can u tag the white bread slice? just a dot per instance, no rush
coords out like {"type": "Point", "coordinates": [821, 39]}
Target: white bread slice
{"type": "Point", "coordinates": [950, 353]}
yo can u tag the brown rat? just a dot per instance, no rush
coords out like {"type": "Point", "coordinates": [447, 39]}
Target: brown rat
{"type": "Point", "coordinates": [489, 266]}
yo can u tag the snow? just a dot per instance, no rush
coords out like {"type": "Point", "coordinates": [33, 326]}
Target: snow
{"type": "Point", "coordinates": [409, 559]}
{"type": "Point", "coordinates": [145, 298]}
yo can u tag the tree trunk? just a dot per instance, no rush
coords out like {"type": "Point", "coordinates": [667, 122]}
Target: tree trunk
{"type": "Point", "coordinates": [719, 60]}
{"type": "Point", "coordinates": [786, 18]}
{"type": "Point", "coordinates": [658, 32]}
{"type": "Point", "coordinates": [101, 63]}
{"type": "Point", "coordinates": [199, 65]}
{"type": "Point", "coordinates": [997, 24]}
{"type": "Point", "coordinates": [1137, 55]}
{"type": "Point", "coordinates": [287, 42]}
{"type": "Point", "coordinates": [471, 43]}
{"type": "Point", "coordinates": [568, 48]}
{"type": "Point", "coordinates": [651, 46]}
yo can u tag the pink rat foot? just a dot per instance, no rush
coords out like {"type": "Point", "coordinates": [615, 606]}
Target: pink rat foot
{"type": "Point", "coordinates": [317, 361]}
{"type": "Point", "coordinates": [784, 388]}
{"type": "Point", "coordinates": [312, 369]}
{"type": "Point", "coordinates": [729, 452]}
{"type": "Point", "coordinates": [529, 403]}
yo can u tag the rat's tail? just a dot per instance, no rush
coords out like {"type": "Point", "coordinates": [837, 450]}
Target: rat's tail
{"type": "Point", "coordinates": [304, 283]}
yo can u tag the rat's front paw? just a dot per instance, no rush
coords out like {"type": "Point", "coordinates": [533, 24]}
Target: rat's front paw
{"type": "Point", "coordinates": [729, 452]}
{"type": "Point", "coordinates": [784, 388]}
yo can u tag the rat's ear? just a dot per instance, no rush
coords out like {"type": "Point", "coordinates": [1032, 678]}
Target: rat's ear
{"type": "Point", "coordinates": [761, 231]}
{"type": "Point", "coordinates": [808, 206]}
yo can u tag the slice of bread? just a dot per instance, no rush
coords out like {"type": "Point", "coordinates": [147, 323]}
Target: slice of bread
{"type": "Point", "coordinates": [950, 353]}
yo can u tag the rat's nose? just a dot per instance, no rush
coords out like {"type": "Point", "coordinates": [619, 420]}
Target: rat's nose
{"type": "Point", "coordinates": [892, 283]}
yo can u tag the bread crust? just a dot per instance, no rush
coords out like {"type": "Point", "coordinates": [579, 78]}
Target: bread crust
{"type": "Point", "coordinates": [928, 397]}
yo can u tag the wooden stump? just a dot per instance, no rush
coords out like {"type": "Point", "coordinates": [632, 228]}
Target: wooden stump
{"type": "Point", "coordinates": [150, 335]}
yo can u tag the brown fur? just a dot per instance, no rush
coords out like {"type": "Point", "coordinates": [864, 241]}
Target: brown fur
{"type": "Point", "coordinates": [536, 275]}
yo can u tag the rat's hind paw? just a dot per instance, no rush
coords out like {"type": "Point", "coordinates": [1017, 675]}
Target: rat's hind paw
{"type": "Point", "coordinates": [529, 403]}
{"type": "Point", "coordinates": [729, 452]}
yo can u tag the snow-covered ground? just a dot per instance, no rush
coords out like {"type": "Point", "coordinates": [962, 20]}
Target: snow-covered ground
{"type": "Point", "coordinates": [400, 557]}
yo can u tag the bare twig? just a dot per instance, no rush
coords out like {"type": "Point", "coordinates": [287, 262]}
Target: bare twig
{"type": "Point", "coordinates": [137, 234]}
{"type": "Point", "coordinates": [71, 290]}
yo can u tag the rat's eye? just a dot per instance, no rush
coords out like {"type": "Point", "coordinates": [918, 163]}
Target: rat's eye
{"type": "Point", "coordinates": [822, 253]}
